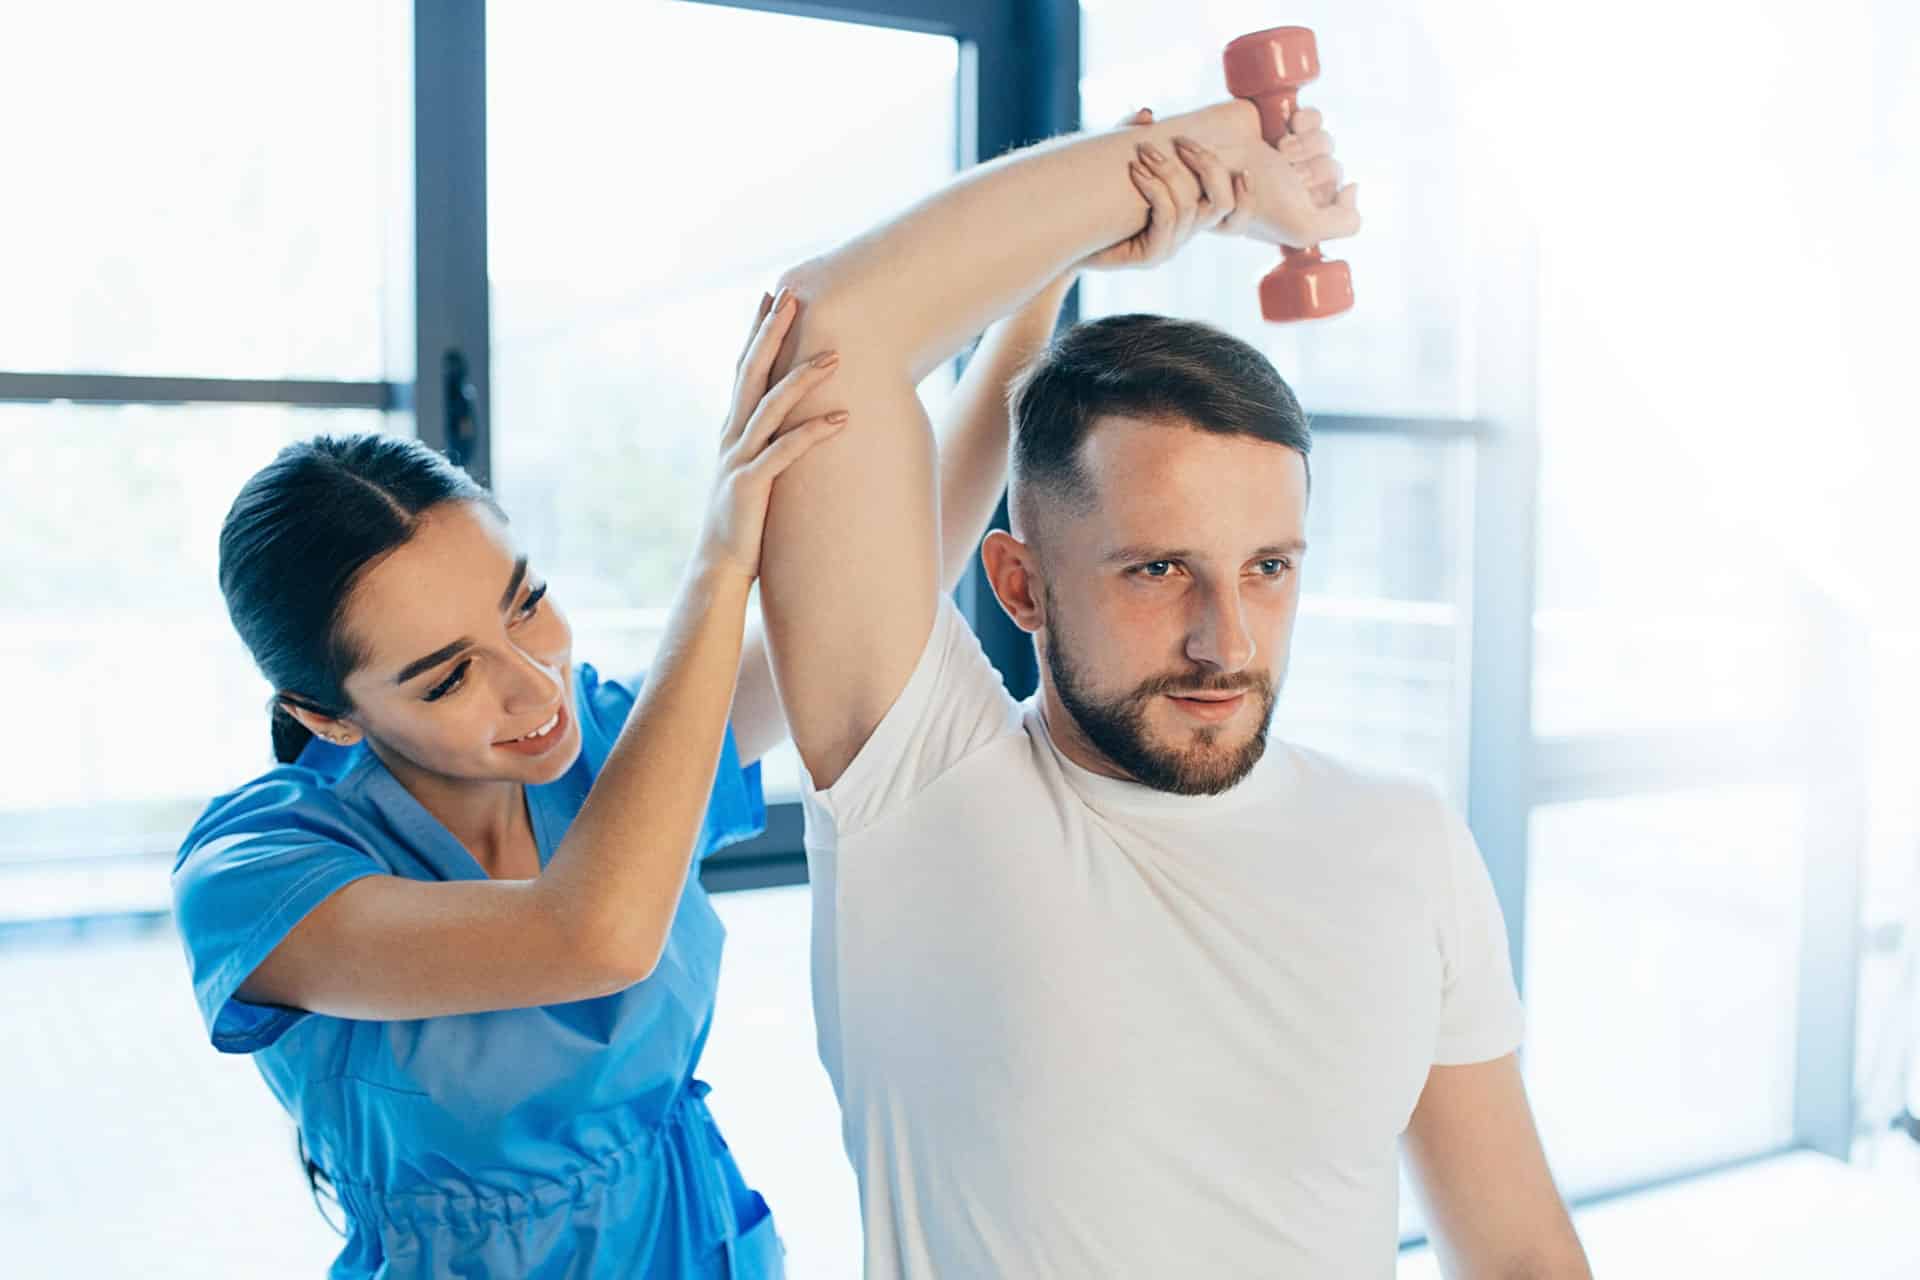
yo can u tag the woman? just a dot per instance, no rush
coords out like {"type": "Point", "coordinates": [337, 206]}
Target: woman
{"type": "Point", "coordinates": [456, 926]}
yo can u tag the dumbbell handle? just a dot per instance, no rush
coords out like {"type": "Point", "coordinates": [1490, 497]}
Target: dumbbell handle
{"type": "Point", "coordinates": [1276, 115]}
{"type": "Point", "coordinates": [1274, 64]}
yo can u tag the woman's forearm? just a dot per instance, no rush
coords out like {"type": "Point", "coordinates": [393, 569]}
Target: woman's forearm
{"type": "Point", "coordinates": [619, 873]}
{"type": "Point", "coordinates": [924, 283]}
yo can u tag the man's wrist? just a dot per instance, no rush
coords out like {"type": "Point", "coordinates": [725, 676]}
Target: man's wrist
{"type": "Point", "coordinates": [1231, 128]}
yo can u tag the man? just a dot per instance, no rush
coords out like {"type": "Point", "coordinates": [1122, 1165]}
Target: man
{"type": "Point", "coordinates": [1107, 984]}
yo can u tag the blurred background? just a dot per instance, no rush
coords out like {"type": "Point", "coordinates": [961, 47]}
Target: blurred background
{"type": "Point", "coordinates": [1613, 521]}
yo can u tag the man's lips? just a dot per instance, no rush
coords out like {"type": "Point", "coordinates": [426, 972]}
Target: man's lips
{"type": "Point", "coordinates": [1209, 706]}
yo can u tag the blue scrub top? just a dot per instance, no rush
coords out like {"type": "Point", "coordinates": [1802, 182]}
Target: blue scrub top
{"type": "Point", "coordinates": [569, 1140]}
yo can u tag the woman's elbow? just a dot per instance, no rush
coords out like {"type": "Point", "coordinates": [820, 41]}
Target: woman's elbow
{"type": "Point", "coordinates": [616, 950]}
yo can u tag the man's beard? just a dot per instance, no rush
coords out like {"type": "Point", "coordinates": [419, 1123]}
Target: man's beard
{"type": "Point", "coordinates": [1117, 727]}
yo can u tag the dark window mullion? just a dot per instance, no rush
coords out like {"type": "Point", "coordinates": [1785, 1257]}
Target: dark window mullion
{"type": "Point", "coordinates": [113, 388]}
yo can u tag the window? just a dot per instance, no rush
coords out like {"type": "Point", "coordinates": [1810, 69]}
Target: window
{"type": "Point", "coordinates": [627, 257]}
{"type": "Point", "coordinates": [1662, 974]}
{"type": "Point", "coordinates": [143, 701]}
{"type": "Point", "coordinates": [1380, 670]}
{"type": "Point", "coordinates": [190, 204]}
{"type": "Point", "coordinates": [1405, 348]}
{"type": "Point", "coordinates": [200, 272]}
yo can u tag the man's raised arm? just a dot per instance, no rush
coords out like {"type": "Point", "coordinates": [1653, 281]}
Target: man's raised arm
{"type": "Point", "coordinates": [851, 566]}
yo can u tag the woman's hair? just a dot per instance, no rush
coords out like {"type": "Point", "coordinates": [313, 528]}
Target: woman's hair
{"type": "Point", "coordinates": [295, 542]}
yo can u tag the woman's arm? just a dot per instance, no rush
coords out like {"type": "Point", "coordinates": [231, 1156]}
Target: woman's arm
{"type": "Point", "coordinates": [595, 921]}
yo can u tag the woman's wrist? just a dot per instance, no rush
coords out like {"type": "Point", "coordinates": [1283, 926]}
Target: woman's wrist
{"type": "Point", "coordinates": [713, 578]}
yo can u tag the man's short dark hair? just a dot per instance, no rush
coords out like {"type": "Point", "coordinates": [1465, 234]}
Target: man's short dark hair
{"type": "Point", "coordinates": [1139, 366]}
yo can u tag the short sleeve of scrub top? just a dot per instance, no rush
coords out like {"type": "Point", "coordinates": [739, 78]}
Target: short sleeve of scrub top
{"type": "Point", "coordinates": [259, 860]}
{"type": "Point", "coordinates": [737, 808]}
{"type": "Point", "coordinates": [262, 857]}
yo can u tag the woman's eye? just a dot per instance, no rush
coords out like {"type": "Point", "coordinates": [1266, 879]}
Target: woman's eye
{"type": "Point", "coordinates": [451, 683]}
{"type": "Point", "coordinates": [531, 605]}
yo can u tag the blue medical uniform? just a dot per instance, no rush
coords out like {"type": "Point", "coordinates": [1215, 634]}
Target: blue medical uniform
{"type": "Point", "coordinates": [569, 1140]}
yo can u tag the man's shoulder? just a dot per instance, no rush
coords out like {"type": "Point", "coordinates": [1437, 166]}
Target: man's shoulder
{"type": "Point", "coordinates": [1344, 783]}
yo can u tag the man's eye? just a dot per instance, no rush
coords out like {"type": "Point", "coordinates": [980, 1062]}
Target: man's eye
{"type": "Point", "coordinates": [451, 683]}
{"type": "Point", "coordinates": [1157, 568]}
{"type": "Point", "coordinates": [1274, 568]}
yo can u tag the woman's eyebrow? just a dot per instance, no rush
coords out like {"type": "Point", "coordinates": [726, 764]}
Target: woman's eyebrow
{"type": "Point", "coordinates": [432, 660]}
{"type": "Point", "coordinates": [513, 583]}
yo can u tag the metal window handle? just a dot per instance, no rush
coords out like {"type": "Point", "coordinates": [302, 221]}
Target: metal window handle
{"type": "Point", "coordinates": [462, 407]}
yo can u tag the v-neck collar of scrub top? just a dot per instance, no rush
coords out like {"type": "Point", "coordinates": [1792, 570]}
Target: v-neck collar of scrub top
{"type": "Point", "coordinates": [368, 785]}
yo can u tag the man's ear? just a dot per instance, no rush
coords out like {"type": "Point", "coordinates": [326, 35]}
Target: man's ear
{"type": "Point", "coordinates": [1014, 572]}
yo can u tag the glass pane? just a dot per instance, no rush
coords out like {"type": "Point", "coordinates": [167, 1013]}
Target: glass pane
{"type": "Point", "coordinates": [1662, 962]}
{"type": "Point", "coordinates": [203, 188]}
{"type": "Point", "coordinates": [771, 1096]}
{"type": "Point", "coordinates": [1380, 665]}
{"type": "Point", "coordinates": [624, 278]}
{"type": "Point", "coordinates": [1658, 604]}
{"type": "Point", "coordinates": [1391, 103]}
{"type": "Point", "coordinates": [143, 700]}
{"type": "Point", "coordinates": [1887, 1055]}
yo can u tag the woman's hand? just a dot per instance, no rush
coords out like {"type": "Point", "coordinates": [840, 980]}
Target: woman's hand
{"type": "Point", "coordinates": [758, 443]}
{"type": "Point", "coordinates": [1195, 194]}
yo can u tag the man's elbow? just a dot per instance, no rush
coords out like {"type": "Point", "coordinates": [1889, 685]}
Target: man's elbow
{"type": "Point", "coordinates": [842, 310]}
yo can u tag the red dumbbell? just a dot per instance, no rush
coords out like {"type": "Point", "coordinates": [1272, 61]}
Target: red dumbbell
{"type": "Point", "coordinates": [1268, 67]}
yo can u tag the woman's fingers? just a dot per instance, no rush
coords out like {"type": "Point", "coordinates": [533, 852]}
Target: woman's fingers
{"type": "Point", "coordinates": [759, 318]}
{"type": "Point", "coordinates": [782, 398]}
{"type": "Point", "coordinates": [1216, 183]}
{"type": "Point", "coordinates": [1181, 181]}
{"type": "Point", "coordinates": [1156, 241]}
{"type": "Point", "coordinates": [756, 363]}
{"type": "Point", "coordinates": [793, 443]}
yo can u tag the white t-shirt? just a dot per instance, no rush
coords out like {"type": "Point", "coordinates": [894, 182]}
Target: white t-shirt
{"type": "Point", "coordinates": [1082, 1028]}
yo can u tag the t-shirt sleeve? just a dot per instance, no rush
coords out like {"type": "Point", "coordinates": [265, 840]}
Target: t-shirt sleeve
{"type": "Point", "coordinates": [736, 806]}
{"type": "Point", "coordinates": [251, 869]}
{"type": "Point", "coordinates": [1480, 1013]}
{"type": "Point", "coordinates": [954, 704]}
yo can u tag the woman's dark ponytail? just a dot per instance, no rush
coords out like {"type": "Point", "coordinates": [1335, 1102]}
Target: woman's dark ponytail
{"type": "Point", "coordinates": [297, 538]}
{"type": "Point", "coordinates": [290, 737]}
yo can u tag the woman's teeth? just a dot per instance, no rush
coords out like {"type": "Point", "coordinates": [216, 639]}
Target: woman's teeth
{"type": "Point", "coordinates": [541, 732]}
